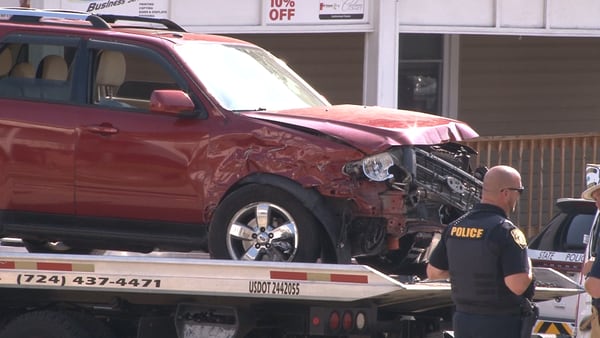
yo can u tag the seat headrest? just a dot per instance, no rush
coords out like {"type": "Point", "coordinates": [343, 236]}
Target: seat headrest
{"type": "Point", "coordinates": [53, 67]}
{"type": "Point", "coordinates": [5, 62]}
{"type": "Point", "coordinates": [111, 69]}
{"type": "Point", "coordinates": [23, 70]}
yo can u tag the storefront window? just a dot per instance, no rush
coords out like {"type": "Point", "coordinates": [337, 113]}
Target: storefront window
{"type": "Point", "coordinates": [420, 72]}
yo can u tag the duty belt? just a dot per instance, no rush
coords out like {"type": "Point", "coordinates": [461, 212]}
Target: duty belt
{"type": "Point", "coordinates": [514, 310]}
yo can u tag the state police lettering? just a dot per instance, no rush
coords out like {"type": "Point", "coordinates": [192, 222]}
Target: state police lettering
{"type": "Point", "coordinates": [466, 232]}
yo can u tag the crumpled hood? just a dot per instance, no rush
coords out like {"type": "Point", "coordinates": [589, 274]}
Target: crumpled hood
{"type": "Point", "coordinates": [373, 129]}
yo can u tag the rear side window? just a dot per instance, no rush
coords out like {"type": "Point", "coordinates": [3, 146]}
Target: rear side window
{"type": "Point", "coordinates": [565, 233]}
{"type": "Point", "coordinates": [36, 71]}
{"type": "Point", "coordinates": [578, 230]}
{"type": "Point", "coordinates": [548, 239]}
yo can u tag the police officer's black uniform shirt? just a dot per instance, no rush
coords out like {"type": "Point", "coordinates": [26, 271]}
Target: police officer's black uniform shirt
{"type": "Point", "coordinates": [479, 250]}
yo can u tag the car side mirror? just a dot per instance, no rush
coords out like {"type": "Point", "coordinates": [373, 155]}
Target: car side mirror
{"type": "Point", "coordinates": [171, 102]}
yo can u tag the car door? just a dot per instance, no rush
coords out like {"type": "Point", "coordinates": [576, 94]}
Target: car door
{"type": "Point", "coordinates": [132, 164]}
{"type": "Point", "coordinates": [37, 130]}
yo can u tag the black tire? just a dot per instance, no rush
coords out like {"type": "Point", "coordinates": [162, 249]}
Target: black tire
{"type": "Point", "coordinates": [44, 324]}
{"type": "Point", "coordinates": [34, 246]}
{"type": "Point", "coordinates": [289, 233]}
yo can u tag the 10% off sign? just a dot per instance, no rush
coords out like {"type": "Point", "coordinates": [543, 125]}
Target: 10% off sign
{"type": "Point", "coordinates": [282, 10]}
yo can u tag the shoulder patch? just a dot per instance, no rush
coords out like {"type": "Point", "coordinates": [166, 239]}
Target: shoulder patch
{"type": "Point", "coordinates": [519, 238]}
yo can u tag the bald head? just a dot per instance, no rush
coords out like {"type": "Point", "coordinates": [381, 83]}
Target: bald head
{"type": "Point", "coordinates": [499, 185]}
{"type": "Point", "coordinates": [499, 177]}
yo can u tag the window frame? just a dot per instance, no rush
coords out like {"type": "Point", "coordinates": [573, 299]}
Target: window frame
{"type": "Point", "coordinates": [94, 45]}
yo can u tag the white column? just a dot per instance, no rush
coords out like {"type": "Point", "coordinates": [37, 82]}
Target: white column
{"type": "Point", "coordinates": [380, 84]}
{"type": "Point", "coordinates": [450, 76]}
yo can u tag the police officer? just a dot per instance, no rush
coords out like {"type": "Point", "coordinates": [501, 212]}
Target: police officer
{"type": "Point", "coordinates": [591, 268]}
{"type": "Point", "coordinates": [485, 257]}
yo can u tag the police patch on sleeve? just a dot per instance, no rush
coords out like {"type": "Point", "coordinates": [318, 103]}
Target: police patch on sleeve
{"type": "Point", "coordinates": [519, 238]}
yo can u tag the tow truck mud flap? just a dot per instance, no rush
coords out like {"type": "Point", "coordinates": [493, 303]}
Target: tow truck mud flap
{"type": "Point", "coordinates": [196, 321]}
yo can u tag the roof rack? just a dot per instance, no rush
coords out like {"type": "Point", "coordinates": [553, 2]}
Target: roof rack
{"type": "Point", "coordinates": [170, 25]}
{"type": "Point", "coordinates": [103, 21]}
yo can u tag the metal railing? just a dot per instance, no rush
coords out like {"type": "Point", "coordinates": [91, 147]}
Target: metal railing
{"type": "Point", "coordinates": [551, 166]}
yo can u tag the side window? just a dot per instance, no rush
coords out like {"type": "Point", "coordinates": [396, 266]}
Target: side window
{"type": "Point", "coordinates": [126, 79]}
{"type": "Point", "coordinates": [36, 71]}
{"type": "Point", "coordinates": [548, 239]}
{"type": "Point", "coordinates": [578, 229]}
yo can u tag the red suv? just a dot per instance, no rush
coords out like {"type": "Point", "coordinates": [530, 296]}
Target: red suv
{"type": "Point", "coordinates": [130, 133]}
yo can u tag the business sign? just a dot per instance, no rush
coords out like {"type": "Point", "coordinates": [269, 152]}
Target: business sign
{"type": "Point", "coordinates": [154, 9]}
{"type": "Point", "coordinates": [291, 12]}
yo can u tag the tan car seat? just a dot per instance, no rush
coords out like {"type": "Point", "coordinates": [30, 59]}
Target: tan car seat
{"type": "Point", "coordinates": [23, 70]}
{"type": "Point", "coordinates": [6, 62]}
{"type": "Point", "coordinates": [53, 67]}
{"type": "Point", "coordinates": [110, 73]}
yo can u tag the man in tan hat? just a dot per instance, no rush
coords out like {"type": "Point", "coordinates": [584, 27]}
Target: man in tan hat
{"type": "Point", "coordinates": [591, 269]}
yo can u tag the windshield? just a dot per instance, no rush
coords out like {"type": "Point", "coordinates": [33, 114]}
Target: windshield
{"type": "Point", "coordinates": [246, 78]}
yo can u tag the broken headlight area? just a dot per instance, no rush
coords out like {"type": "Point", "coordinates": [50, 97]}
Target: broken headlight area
{"type": "Point", "coordinates": [394, 167]}
{"type": "Point", "coordinates": [439, 174]}
{"type": "Point", "coordinates": [377, 168]}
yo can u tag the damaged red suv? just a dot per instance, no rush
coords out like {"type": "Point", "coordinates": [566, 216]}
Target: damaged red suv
{"type": "Point", "coordinates": [130, 133]}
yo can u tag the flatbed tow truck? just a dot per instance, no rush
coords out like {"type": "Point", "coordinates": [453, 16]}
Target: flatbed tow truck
{"type": "Point", "coordinates": [145, 296]}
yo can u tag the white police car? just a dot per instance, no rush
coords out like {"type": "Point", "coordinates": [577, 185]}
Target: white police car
{"type": "Point", "coordinates": [561, 245]}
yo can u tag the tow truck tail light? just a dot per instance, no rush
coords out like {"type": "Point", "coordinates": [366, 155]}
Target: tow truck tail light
{"type": "Point", "coordinates": [361, 321]}
{"type": "Point", "coordinates": [347, 321]}
{"type": "Point", "coordinates": [336, 321]}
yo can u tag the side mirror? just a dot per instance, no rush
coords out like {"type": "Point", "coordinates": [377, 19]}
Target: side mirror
{"type": "Point", "coordinates": [171, 102]}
